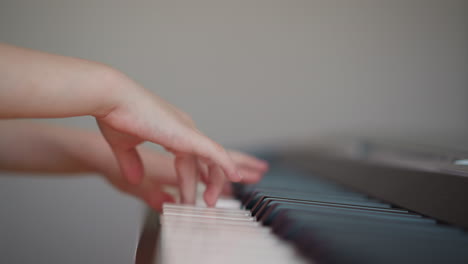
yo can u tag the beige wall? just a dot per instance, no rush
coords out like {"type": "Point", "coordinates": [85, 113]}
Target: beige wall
{"type": "Point", "coordinates": [251, 73]}
{"type": "Point", "coordinates": [261, 71]}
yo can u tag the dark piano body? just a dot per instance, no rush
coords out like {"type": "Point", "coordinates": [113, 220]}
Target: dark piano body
{"type": "Point", "coordinates": [359, 202]}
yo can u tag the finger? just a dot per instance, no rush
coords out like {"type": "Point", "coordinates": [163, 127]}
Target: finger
{"type": "Point", "coordinates": [155, 198]}
{"type": "Point", "coordinates": [159, 168]}
{"type": "Point", "coordinates": [211, 152]}
{"type": "Point", "coordinates": [148, 191]}
{"type": "Point", "coordinates": [251, 176]}
{"type": "Point", "coordinates": [130, 164]}
{"type": "Point", "coordinates": [203, 171]}
{"type": "Point", "coordinates": [124, 148]}
{"type": "Point", "coordinates": [214, 186]}
{"type": "Point", "coordinates": [227, 189]}
{"type": "Point", "coordinates": [187, 175]}
{"type": "Point", "coordinates": [242, 159]}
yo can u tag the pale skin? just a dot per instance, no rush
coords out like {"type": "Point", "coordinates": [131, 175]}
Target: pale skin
{"type": "Point", "coordinates": [40, 85]}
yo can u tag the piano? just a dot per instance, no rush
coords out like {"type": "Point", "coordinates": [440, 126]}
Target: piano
{"type": "Point", "coordinates": [359, 202]}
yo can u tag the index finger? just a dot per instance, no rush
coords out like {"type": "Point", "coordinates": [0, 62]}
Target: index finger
{"type": "Point", "coordinates": [187, 175]}
{"type": "Point", "coordinates": [213, 153]}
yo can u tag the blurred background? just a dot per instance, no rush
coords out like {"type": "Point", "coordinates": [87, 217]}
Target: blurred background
{"type": "Point", "coordinates": [253, 74]}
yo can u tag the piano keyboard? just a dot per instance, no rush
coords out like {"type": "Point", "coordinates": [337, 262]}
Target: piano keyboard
{"type": "Point", "coordinates": [226, 234]}
{"type": "Point", "coordinates": [292, 217]}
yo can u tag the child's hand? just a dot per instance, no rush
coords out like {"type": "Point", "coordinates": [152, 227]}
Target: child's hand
{"type": "Point", "coordinates": [41, 148]}
{"type": "Point", "coordinates": [40, 85]}
{"type": "Point", "coordinates": [138, 115]}
{"type": "Point", "coordinates": [160, 171]}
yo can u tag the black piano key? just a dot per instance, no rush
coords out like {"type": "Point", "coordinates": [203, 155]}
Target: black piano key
{"type": "Point", "coordinates": [262, 197]}
{"type": "Point", "coordinates": [331, 224]}
{"type": "Point", "coordinates": [367, 223]}
{"type": "Point", "coordinates": [379, 236]}
{"type": "Point", "coordinates": [276, 207]}
{"type": "Point", "coordinates": [266, 202]}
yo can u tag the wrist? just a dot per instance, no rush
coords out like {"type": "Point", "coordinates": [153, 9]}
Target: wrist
{"type": "Point", "coordinates": [113, 94]}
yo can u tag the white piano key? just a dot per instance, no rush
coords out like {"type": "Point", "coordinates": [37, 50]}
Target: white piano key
{"type": "Point", "coordinates": [225, 234]}
{"type": "Point", "coordinates": [183, 207]}
{"type": "Point", "coordinates": [196, 234]}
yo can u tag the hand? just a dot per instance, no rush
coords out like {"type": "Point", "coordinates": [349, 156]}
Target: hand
{"type": "Point", "coordinates": [40, 85]}
{"type": "Point", "coordinates": [65, 151]}
{"type": "Point", "coordinates": [138, 116]}
{"type": "Point", "coordinates": [160, 171]}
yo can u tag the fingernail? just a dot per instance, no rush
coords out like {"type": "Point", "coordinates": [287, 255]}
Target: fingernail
{"type": "Point", "coordinates": [235, 177]}
{"type": "Point", "coordinates": [209, 199]}
{"type": "Point", "coordinates": [239, 176]}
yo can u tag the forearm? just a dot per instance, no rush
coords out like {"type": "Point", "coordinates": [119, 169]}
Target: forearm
{"type": "Point", "coordinates": [35, 147]}
{"type": "Point", "coordinates": [35, 84]}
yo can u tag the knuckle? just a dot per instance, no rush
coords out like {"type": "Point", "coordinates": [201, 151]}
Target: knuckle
{"type": "Point", "coordinates": [218, 148]}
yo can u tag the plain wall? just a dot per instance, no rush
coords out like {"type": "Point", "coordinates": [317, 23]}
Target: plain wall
{"type": "Point", "coordinates": [251, 73]}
